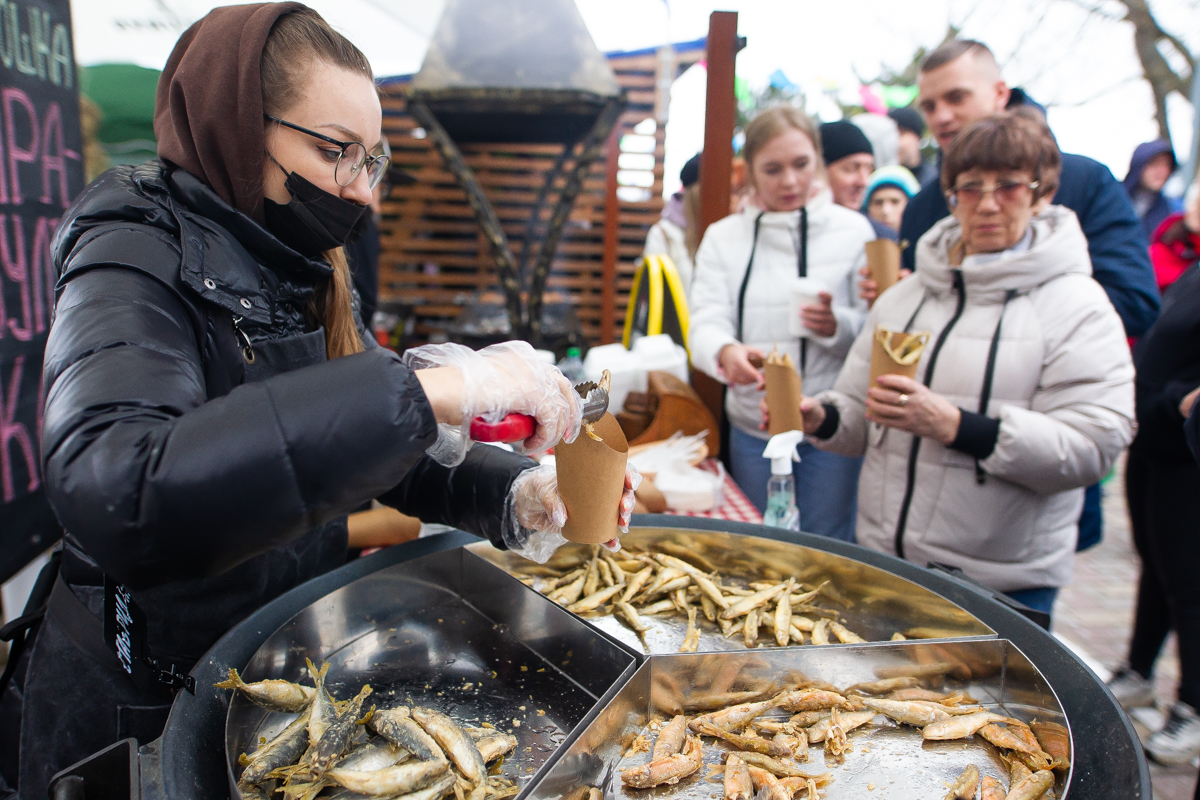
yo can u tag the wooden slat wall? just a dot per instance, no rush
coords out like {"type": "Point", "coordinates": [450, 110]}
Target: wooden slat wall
{"type": "Point", "coordinates": [433, 255]}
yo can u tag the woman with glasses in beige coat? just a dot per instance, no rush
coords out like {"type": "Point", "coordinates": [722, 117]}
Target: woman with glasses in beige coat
{"type": "Point", "coordinates": [1023, 394]}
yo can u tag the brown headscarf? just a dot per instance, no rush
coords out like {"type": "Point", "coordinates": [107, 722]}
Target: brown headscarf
{"type": "Point", "coordinates": [208, 112]}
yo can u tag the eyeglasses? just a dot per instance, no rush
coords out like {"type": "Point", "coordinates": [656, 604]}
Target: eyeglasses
{"type": "Point", "coordinates": [352, 158]}
{"type": "Point", "coordinates": [1007, 192]}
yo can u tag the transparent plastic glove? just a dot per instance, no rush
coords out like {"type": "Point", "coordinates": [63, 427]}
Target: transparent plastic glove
{"type": "Point", "coordinates": [534, 514]}
{"type": "Point", "coordinates": [505, 378]}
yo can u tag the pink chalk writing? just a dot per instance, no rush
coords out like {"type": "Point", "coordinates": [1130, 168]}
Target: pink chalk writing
{"type": "Point", "coordinates": [12, 431]}
{"type": "Point", "coordinates": [33, 276]}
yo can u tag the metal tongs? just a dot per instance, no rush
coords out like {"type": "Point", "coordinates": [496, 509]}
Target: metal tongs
{"type": "Point", "coordinates": [519, 427]}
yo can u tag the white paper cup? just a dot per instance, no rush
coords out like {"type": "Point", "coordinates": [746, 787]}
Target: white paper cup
{"type": "Point", "coordinates": [803, 292]}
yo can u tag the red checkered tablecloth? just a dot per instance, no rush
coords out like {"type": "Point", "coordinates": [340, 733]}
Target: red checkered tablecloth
{"type": "Point", "coordinates": [734, 504]}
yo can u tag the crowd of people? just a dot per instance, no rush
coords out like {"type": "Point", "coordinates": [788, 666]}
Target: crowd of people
{"type": "Point", "coordinates": [1037, 278]}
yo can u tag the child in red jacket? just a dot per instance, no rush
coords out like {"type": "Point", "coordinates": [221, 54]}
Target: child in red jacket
{"type": "Point", "coordinates": [1176, 243]}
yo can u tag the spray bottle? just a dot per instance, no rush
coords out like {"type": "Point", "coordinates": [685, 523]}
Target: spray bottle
{"type": "Point", "coordinates": [781, 488]}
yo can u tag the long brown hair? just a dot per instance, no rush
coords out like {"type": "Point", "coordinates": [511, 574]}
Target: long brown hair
{"type": "Point", "coordinates": [298, 40]}
{"type": "Point", "coordinates": [771, 123]}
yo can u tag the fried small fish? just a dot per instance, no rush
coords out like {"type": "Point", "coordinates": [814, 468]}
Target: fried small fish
{"type": "Point", "coordinates": [798, 700]}
{"type": "Point", "coordinates": [375, 754]}
{"type": "Point", "coordinates": [747, 604]}
{"type": "Point", "coordinates": [844, 634]}
{"type": "Point", "coordinates": [398, 779]}
{"type": "Point", "coordinates": [568, 594]}
{"type": "Point", "coordinates": [396, 725]}
{"type": "Point", "coordinates": [772, 765]}
{"type": "Point", "coordinates": [282, 751]}
{"type": "Point", "coordinates": [849, 721]}
{"type": "Point", "coordinates": [273, 695]}
{"type": "Point", "coordinates": [909, 713]}
{"type": "Point", "coordinates": [750, 743]}
{"type": "Point", "coordinates": [335, 741]}
{"type": "Point", "coordinates": [750, 628]}
{"type": "Point", "coordinates": [323, 709]}
{"type": "Point", "coordinates": [738, 785]}
{"type": "Point", "coordinates": [691, 640]}
{"type": "Point", "coordinates": [783, 616]}
{"type": "Point", "coordinates": [454, 741]}
{"type": "Point", "coordinates": [494, 746]}
{"type": "Point", "coordinates": [836, 742]}
{"type": "Point", "coordinates": [629, 615]}
{"type": "Point", "coordinates": [1055, 740]}
{"type": "Point", "coordinates": [964, 787]}
{"type": "Point", "coordinates": [767, 786]}
{"type": "Point", "coordinates": [595, 600]}
{"type": "Point", "coordinates": [991, 789]}
{"type": "Point", "coordinates": [884, 686]}
{"type": "Point", "coordinates": [961, 727]}
{"type": "Point", "coordinates": [636, 583]}
{"type": "Point", "coordinates": [734, 717]}
{"type": "Point", "coordinates": [1031, 787]}
{"type": "Point", "coordinates": [820, 632]}
{"type": "Point", "coordinates": [668, 770]}
{"type": "Point", "coordinates": [670, 738]}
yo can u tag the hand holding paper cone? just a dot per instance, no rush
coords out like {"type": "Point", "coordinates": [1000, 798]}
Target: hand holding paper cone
{"type": "Point", "coordinates": [784, 392]}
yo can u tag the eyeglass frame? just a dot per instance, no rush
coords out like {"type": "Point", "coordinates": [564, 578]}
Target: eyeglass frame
{"type": "Point", "coordinates": [367, 158]}
{"type": "Point", "coordinates": [952, 195]}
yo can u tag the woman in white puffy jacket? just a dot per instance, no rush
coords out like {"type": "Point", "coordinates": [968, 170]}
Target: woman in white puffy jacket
{"type": "Point", "coordinates": [740, 308]}
{"type": "Point", "coordinates": [1025, 390]}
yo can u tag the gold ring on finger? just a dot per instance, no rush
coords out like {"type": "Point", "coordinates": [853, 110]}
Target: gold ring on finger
{"type": "Point", "coordinates": [903, 399]}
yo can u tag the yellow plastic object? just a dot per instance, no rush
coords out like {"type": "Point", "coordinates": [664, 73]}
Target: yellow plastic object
{"type": "Point", "coordinates": [657, 301]}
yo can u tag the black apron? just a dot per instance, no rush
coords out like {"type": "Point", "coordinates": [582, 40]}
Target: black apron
{"type": "Point", "coordinates": [74, 705]}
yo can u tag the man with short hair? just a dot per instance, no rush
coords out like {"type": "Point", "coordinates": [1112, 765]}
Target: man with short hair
{"type": "Point", "coordinates": [849, 162]}
{"type": "Point", "coordinates": [912, 129]}
{"type": "Point", "coordinates": [960, 83]}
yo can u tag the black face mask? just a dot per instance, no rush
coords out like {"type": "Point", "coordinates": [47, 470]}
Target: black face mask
{"type": "Point", "coordinates": [314, 220]}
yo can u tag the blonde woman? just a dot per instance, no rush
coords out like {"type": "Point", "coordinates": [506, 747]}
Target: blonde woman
{"type": "Point", "coordinates": [740, 306]}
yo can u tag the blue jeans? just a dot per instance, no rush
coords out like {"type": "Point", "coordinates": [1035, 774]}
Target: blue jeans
{"type": "Point", "coordinates": [826, 484]}
{"type": "Point", "coordinates": [1038, 599]}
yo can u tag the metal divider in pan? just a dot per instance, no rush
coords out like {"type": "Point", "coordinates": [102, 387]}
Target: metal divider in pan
{"type": "Point", "coordinates": [878, 603]}
{"type": "Point", "coordinates": [884, 760]}
{"type": "Point", "coordinates": [448, 631]}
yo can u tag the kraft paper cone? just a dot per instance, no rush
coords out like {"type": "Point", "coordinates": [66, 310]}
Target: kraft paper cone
{"type": "Point", "coordinates": [783, 393]}
{"type": "Point", "coordinates": [883, 260]}
{"type": "Point", "coordinates": [887, 345]}
{"type": "Point", "coordinates": [591, 480]}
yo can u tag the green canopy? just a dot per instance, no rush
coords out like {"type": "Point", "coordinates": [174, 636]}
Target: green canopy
{"type": "Point", "coordinates": [125, 95]}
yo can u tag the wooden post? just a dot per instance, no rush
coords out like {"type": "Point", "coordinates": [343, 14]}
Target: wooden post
{"type": "Point", "coordinates": [716, 174]}
{"type": "Point", "coordinates": [716, 164]}
{"type": "Point", "coordinates": [612, 233]}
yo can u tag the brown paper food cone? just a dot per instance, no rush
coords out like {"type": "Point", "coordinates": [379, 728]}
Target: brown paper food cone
{"type": "Point", "coordinates": [896, 353]}
{"type": "Point", "coordinates": [784, 391]}
{"type": "Point", "coordinates": [883, 260]}
{"type": "Point", "coordinates": [591, 479]}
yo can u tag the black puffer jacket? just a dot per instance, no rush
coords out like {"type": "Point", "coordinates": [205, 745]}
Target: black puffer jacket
{"type": "Point", "coordinates": [170, 470]}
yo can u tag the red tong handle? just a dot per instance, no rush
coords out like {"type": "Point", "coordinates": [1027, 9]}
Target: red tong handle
{"type": "Point", "coordinates": [513, 428]}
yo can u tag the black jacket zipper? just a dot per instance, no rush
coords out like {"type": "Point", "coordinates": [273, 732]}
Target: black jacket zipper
{"type": "Point", "coordinates": [916, 442]}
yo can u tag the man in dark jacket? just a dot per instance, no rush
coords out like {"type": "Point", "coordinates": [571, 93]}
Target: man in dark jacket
{"type": "Point", "coordinates": [1149, 170]}
{"type": "Point", "coordinates": [960, 83]}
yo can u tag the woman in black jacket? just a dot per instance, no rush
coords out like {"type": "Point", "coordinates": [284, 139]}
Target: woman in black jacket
{"type": "Point", "coordinates": [212, 409]}
{"type": "Point", "coordinates": [1162, 483]}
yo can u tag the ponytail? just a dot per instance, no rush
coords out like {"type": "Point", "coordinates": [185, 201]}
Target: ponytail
{"type": "Point", "coordinates": [333, 306]}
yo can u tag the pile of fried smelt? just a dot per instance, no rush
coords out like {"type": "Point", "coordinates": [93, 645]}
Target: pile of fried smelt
{"type": "Point", "coordinates": [763, 751]}
{"type": "Point", "coordinates": [336, 749]}
{"type": "Point", "coordinates": [632, 585]}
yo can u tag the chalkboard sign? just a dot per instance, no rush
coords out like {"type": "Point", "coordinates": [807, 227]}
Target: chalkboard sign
{"type": "Point", "coordinates": [40, 173]}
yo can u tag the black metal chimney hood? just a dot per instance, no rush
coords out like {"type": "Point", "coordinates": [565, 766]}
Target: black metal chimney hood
{"type": "Point", "coordinates": [517, 71]}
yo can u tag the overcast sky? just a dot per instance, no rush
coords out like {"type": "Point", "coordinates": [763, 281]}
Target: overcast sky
{"type": "Point", "coordinates": [1081, 66]}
